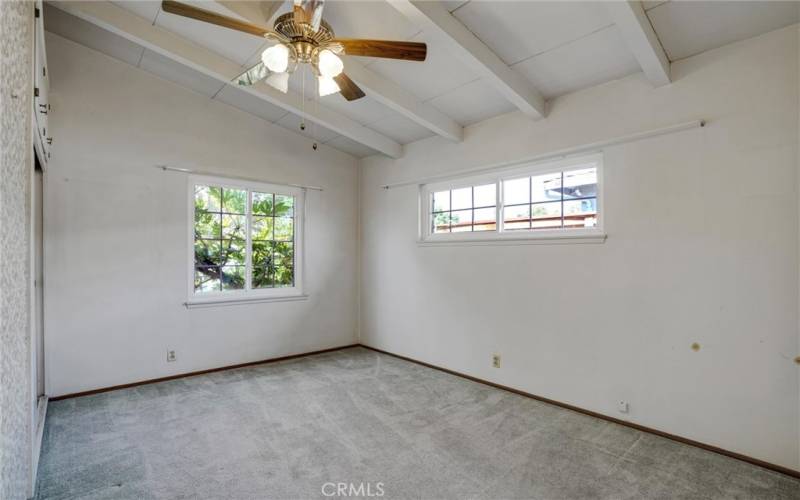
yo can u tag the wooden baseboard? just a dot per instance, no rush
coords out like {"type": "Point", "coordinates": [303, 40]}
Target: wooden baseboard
{"type": "Point", "coordinates": [773, 467]}
{"type": "Point", "coordinates": [199, 372]}
{"type": "Point", "coordinates": [732, 454]}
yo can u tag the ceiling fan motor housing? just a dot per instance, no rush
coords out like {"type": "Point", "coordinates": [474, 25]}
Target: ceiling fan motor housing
{"type": "Point", "coordinates": [306, 42]}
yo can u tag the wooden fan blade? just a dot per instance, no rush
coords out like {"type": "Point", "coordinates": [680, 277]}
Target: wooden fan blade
{"type": "Point", "coordinates": [348, 88]}
{"type": "Point", "coordinates": [408, 51]}
{"type": "Point", "coordinates": [181, 9]}
{"type": "Point", "coordinates": [308, 11]}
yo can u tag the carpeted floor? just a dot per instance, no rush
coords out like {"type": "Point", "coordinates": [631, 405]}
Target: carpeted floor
{"type": "Point", "coordinates": [297, 428]}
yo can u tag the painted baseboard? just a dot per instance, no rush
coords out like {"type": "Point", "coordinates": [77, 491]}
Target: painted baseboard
{"type": "Point", "coordinates": [199, 372]}
{"type": "Point", "coordinates": [674, 437]}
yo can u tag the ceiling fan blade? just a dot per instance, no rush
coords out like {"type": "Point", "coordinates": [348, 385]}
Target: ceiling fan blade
{"type": "Point", "coordinates": [408, 51]}
{"type": "Point", "coordinates": [348, 88]}
{"type": "Point", "coordinates": [252, 76]}
{"type": "Point", "coordinates": [182, 9]}
{"type": "Point", "coordinates": [308, 11]}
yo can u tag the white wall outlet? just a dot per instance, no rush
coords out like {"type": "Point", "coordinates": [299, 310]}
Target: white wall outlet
{"type": "Point", "coordinates": [622, 406]}
{"type": "Point", "coordinates": [496, 360]}
{"type": "Point", "coordinates": [171, 356]}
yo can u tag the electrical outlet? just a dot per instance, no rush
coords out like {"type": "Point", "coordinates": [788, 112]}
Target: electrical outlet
{"type": "Point", "coordinates": [496, 360]}
{"type": "Point", "coordinates": [171, 356]}
{"type": "Point", "coordinates": [622, 406]}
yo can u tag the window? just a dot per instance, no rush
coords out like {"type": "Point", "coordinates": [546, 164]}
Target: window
{"type": "Point", "coordinates": [472, 208]}
{"type": "Point", "coordinates": [245, 239]}
{"type": "Point", "coordinates": [556, 200]}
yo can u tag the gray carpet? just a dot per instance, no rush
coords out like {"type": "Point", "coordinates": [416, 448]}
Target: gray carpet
{"type": "Point", "coordinates": [284, 430]}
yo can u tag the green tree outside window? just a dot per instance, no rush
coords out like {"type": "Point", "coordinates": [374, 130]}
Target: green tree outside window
{"type": "Point", "coordinates": [220, 239]}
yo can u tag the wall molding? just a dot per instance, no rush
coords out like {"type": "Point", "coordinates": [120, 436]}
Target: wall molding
{"type": "Point", "coordinates": [691, 442]}
{"type": "Point", "coordinates": [721, 451]}
{"type": "Point", "coordinates": [198, 372]}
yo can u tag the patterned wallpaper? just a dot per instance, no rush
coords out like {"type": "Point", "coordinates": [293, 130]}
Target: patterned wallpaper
{"type": "Point", "coordinates": [15, 157]}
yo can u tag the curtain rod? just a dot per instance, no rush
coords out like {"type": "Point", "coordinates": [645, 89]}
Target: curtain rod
{"type": "Point", "coordinates": [250, 179]}
{"type": "Point", "coordinates": [586, 148]}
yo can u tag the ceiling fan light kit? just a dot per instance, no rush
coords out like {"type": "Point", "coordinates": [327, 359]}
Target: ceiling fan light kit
{"type": "Point", "coordinates": [276, 58]}
{"type": "Point", "coordinates": [329, 63]}
{"type": "Point", "coordinates": [279, 81]}
{"type": "Point", "coordinates": [327, 86]}
{"type": "Point", "coordinates": [303, 37]}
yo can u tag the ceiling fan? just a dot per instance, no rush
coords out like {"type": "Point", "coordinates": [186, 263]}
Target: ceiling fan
{"type": "Point", "coordinates": [303, 37]}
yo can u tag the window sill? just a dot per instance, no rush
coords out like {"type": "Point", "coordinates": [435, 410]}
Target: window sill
{"type": "Point", "coordinates": [232, 301]}
{"type": "Point", "coordinates": [538, 239]}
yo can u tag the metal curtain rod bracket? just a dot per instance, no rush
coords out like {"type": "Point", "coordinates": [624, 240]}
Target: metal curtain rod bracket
{"type": "Point", "coordinates": [563, 153]}
{"type": "Point", "coordinates": [166, 168]}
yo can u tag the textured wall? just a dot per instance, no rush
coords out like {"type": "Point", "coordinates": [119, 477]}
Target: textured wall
{"type": "Point", "coordinates": [702, 247]}
{"type": "Point", "coordinates": [15, 152]}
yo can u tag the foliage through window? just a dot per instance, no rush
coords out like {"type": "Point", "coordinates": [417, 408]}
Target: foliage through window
{"type": "Point", "coordinates": [472, 208]}
{"type": "Point", "coordinates": [244, 238]}
{"type": "Point", "coordinates": [555, 197]}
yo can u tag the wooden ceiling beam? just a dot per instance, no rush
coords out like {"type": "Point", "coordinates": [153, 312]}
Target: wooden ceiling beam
{"type": "Point", "coordinates": [140, 31]}
{"type": "Point", "coordinates": [439, 26]}
{"type": "Point", "coordinates": [389, 93]}
{"type": "Point", "coordinates": [631, 19]}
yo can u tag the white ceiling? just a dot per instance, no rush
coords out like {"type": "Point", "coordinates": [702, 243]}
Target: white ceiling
{"type": "Point", "coordinates": [517, 31]}
{"type": "Point", "coordinates": [557, 46]}
{"type": "Point", "coordinates": [233, 45]}
{"type": "Point", "coordinates": [689, 28]}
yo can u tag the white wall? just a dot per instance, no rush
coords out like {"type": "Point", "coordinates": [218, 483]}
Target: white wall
{"type": "Point", "coordinates": [702, 247]}
{"type": "Point", "coordinates": [116, 229]}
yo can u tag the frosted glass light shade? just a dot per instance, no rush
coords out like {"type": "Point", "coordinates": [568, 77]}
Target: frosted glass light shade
{"type": "Point", "coordinates": [327, 86]}
{"type": "Point", "coordinates": [329, 64]}
{"type": "Point", "coordinates": [276, 58]}
{"type": "Point", "coordinates": [279, 81]}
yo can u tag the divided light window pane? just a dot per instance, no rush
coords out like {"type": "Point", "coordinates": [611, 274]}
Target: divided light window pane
{"type": "Point", "coordinates": [466, 209]}
{"type": "Point", "coordinates": [272, 237]}
{"type": "Point", "coordinates": [219, 238]}
{"type": "Point", "coordinates": [565, 199]}
{"type": "Point", "coordinates": [580, 198]}
{"type": "Point", "coordinates": [222, 250]}
{"type": "Point", "coordinates": [557, 200]}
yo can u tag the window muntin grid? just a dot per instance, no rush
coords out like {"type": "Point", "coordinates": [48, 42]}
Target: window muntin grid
{"type": "Point", "coordinates": [244, 239]}
{"type": "Point", "coordinates": [272, 240]}
{"type": "Point", "coordinates": [537, 202]}
{"type": "Point", "coordinates": [468, 209]}
{"type": "Point", "coordinates": [220, 238]}
{"type": "Point", "coordinates": [557, 200]}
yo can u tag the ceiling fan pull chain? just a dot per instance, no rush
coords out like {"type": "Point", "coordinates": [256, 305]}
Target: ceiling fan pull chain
{"type": "Point", "coordinates": [303, 38]}
{"type": "Point", "coordinates": [303, 100]}
{"type": "Point", "coordinates": [314, 125]}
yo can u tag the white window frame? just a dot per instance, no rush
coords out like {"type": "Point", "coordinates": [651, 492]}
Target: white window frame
{"type": "Point", "coordinates": [564, 235]}
{"type": "Point", "coordinates": [248, 294]}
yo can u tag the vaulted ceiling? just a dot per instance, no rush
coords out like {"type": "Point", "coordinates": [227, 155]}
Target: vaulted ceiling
{"type": "Point", "coordinates": [485, 58]}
